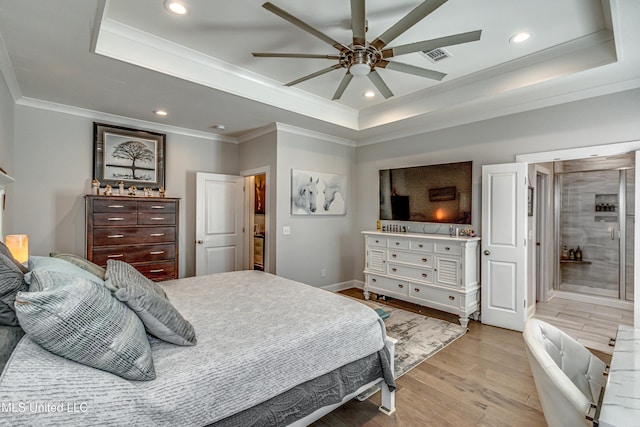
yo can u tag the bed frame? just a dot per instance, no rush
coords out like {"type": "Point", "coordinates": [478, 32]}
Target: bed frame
{"type": "Point", "coordinates": [388, 403]}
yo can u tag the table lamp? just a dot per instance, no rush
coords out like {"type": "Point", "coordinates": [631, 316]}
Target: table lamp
{"type": "Point", "coordinates": [18, 245]}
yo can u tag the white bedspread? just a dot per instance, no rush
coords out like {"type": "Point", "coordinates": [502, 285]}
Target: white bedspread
{"type": "Point", "coordinates": [258, 335]}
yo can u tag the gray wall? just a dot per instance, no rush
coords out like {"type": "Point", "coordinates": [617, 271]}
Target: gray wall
{"type": "Point", "coordinates": [7, 109]}
{"type": "Point", "coordinates": [316, 242]}
{"type": "Point", "coordinates": [602, 120]}
{"type": "Point", "coordinates": [54, 166]}
{"type": "Point", "coordinates": [261, 152]}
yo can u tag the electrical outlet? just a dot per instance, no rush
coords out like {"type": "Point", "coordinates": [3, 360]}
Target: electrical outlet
{"type": "Point", "coordinates": [286, 230]}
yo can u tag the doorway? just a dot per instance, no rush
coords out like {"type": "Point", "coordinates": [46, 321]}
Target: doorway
{"type": "Point", "coordinates": [257, 220]}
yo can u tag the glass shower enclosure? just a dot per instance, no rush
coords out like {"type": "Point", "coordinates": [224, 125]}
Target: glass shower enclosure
{"type": "Point", "coordinates": [595, 226]}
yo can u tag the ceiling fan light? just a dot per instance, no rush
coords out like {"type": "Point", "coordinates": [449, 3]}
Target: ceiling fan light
{"type": "Point", "coordinates": [360, 69]}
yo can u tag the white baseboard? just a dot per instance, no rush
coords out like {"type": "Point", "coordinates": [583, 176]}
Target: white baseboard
{"type": "Point", "coordinates": [337, 287]}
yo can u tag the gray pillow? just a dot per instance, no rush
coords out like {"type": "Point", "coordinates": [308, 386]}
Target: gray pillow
{"type": "Point", "coordinates": [80, 320]}
{"type": "Point", "coordinates": [11, 282]}
{"type": "Point", "coordinates": [83, 263]}
{"type": "Point", "coordinates": [60, 265]}
{"type": "Point", "coordinates": [150, 303]}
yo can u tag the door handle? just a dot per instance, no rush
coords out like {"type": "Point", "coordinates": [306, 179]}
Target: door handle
{"type": "Point", "coordinates": [486, 252]}
{"type": "Point", "coordinates": [200, 242]}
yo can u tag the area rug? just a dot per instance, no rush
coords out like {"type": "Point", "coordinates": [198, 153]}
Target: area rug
{"type": "Point", "coordinates": [419, 337]}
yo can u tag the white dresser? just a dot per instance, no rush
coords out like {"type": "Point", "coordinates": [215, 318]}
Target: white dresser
{"type": "Point", "coordinates": [433, 270]}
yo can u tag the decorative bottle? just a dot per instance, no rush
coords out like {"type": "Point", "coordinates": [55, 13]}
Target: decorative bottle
{"type": "Point", "coordinates": [565, 252]}
{"type": "Point", "coordinates": [578, 254]}
{"type": "Point", "coordinates": [572, 254]}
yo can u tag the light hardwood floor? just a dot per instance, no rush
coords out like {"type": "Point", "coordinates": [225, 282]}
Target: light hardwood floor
{"type": "Point", "coordinates": [481, 379]}
{"type": "Point", "coordinates": [590, 324]}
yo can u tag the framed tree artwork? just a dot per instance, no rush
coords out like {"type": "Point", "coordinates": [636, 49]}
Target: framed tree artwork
{"type": "Point", "coordinates": [135, 157]}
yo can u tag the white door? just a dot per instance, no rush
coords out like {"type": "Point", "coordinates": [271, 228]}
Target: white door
{"type": "Point", "coordinates": [219, 223]}
{"type": "Point", "coordinates": [504, 251]}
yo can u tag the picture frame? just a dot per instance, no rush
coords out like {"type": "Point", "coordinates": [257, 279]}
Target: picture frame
{"type": "Point", "coordinates": [530, 201]}
{"type": "Point", "coordinates": [133, 156]}
{"type": "Point", "coordinates": [318, 193]}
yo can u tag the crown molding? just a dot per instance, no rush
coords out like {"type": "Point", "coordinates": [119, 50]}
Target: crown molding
{"type": "Point", "coordinates": [120, 120]}
{"type": "Point", "coordinates": [282, 127]}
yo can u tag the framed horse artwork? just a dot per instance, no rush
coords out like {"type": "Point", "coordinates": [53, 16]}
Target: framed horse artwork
{"type": "Point", "coordinates": [318, 193]}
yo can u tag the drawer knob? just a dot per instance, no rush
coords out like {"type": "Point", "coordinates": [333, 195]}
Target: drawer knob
{"type": "Point", "coordinates": [401, 286]}
{"type": "Point", "coordinates": [424, 274]}
{"type": "Point", "coordinates": [156, 234]}
{"type": "Point", "coordinates": [157, 207]}
{"type": "Point", "coordinates": [115, 236]}
{"type": "Point", "coordinates": [115, 219]}
{"type": "Point", "coordinates": [374, 280]}
{"type": "Point", "coordinates": [156, 252]}
{"type": "Point", "coordinates": [394, 269]}
{"type": "Point", "coordinates": [397, 243]}
{"type": "Point", "coordinates": [160, 270]}
{"type": "Point", "coordinates": [416, 290]}
{"type": "Point", "coordinates": [447, 248]}
{"type": "Point", "coordinates": [420, 246]}
{"type": "Point", "coordinates": [116, 206]}
{"type": "Point", "coordinates": [394, 255]}
{"type": "Point", "coordinates": [424, 260]}
{"type": "Point", "coordinates": [377, 241]}
{"type": "Point", "coordinates": [452, 297]}
{"type": "Point", "coordinates": [115, 256]}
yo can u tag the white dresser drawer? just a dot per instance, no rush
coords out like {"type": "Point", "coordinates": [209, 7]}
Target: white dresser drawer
{"type": "Point", "coordinates": [422, 260]}
{"type": "Point", "coordinates": [439, 297]}
{"type": "Point", "coordinates": [376, 241]}
{"type": "Point", "coordinates": [448, 248]}
{"type": "Point", "coordinates": [387, 284]}
{"type": "Point", "coordinates": [394, 243]}
{"type": "Point", "coordinates": [421, 245]}
{"type": "Point", "coordinates": [411, 273]}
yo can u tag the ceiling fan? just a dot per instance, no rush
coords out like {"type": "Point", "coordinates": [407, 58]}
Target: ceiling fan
{"type": "Point", "coordinates": [362, 57]}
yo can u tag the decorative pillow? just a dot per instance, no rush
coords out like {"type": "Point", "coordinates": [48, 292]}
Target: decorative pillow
{"type": "Point", "coordinates": [4, 250]}
{"type": "Point", "coordinates": [11, 282]}
{"type": "Point", "coordinates": [83, 263]}
{"type": "Point", "coordinates": [78, 319]}
{"type": "Point", "coordinates": [46, 263]}
{"type": "Point", "coordinates": [150, 303]}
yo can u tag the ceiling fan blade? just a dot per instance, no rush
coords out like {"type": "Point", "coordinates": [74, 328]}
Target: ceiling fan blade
{"type": "Point", "coordinates": [428, 45]}
{"type": "Point", "coordinates": [382, 87]}
{"type": "Point", "coordinates": [358, 22]}
{"type": "Point", "coordinates": [302, 25]}
{"type": "Point", "coordinates": [343, 86]}
{"type": "Point", "coordinates": [411, 69]}
{"type": "Point", "coordinates": [316, 74]}
{"type": "Point", "coordinates": [412, 18]}
{"type": "Point", "coordinates": [294, 55]}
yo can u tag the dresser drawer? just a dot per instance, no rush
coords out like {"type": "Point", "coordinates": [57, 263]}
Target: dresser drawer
{"type": "Point", "coordinates": [134, 253]}
{"type": "Point", "coordinates": [156, 206]}
{"type": "Point", "coordinates": [411, 273]}
{"type": "Point", "coordinates": [388, 284]}
{"type": "Point", "coordinates": [157, 271]}
{"type": "Point", "coordinates": [133, 235]}
{"type": "Point", "coordinates": [421, 245]}
{"type": "Point", "coordinates": [423, 260]}
{"type": "Point", "coordinates": [398, 243]}
{"type": "Point", "coordinates": [115, 218]}
{"type": "Point", "coordinates": [376, 241]}
{"type": "Point", "coordinates": [448, 248]}
{"type": "Point", "coordinates": [156, 218]}
{"type": "Point", "coordinates": [105, 205]}
{"type": "Point", "coordinates": [439, 298]}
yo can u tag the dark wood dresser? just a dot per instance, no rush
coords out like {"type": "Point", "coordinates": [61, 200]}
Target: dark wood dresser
{"type": "Point", "coordinates": [142, 231]}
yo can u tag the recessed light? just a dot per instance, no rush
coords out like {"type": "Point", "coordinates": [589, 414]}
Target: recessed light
{"type": "Point", "coordinates": [218, 127]}
{"type": "Point", "coordinates": [519, 37]}
{"type": "Point", "coordinates": [369, 94]}
{"type": "Point", "coordinates": [160, 112]}
{"type": "Point", "coordinates": [176, 6]}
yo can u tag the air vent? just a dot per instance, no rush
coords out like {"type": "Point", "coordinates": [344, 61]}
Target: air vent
{"type": "Point", "coordinates": [436, 55]}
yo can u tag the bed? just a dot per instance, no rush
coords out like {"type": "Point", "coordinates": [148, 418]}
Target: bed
{"type": "Point", "coordinates": [270, 351]}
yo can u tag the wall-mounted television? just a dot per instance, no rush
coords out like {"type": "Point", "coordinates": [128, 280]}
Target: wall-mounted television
{"type": "Point", "coordinates": [431, 193]}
